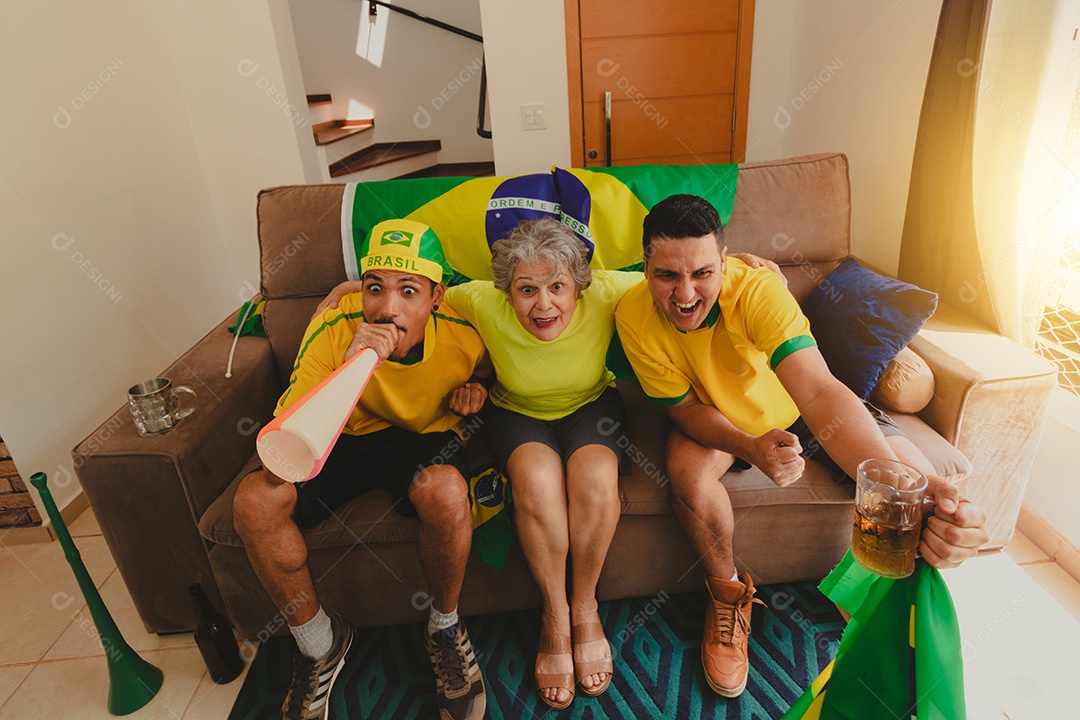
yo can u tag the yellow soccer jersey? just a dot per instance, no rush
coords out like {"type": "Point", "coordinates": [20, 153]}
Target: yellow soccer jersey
{"type": "Point", "coordinates": [412, 396]}
{"type": "Point", "coordinates": [550, 379]}
{"type": "Point", "coordinates": [755, 324]}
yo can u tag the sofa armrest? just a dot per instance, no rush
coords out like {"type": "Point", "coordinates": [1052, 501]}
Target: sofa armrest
{"type": "Point", "coordinates": [991, 399]}
{"type": "Point", "coordinates": [210, 446]}
{"type": "Point", "coordinates": [148, 493]}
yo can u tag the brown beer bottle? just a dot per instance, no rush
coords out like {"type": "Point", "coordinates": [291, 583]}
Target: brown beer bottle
{"type": "Point", "coordinates": [214, 636]}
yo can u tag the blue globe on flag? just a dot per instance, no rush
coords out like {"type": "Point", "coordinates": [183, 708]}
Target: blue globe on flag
{"type": "Point", "coordinates": [528, 197]}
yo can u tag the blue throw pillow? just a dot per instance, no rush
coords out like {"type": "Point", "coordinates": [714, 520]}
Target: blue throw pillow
{"type": "Point", "coordinates": [861, 320]}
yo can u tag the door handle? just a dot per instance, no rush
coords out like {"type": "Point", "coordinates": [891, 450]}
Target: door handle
{"type": "Point", "coordinates": [607, 127]}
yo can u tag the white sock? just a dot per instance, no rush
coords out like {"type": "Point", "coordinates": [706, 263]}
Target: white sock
{"type": "Point", "coordinates": [316, 636]}
{"type": "Point", "coordinates": [440, 621]}
{"type": "Point", "coordinates": [735, 577]}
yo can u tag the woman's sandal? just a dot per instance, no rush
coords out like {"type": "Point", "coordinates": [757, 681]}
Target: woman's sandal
{"type": "Point", "coordinates": [586, 633]}
{"type": "Point", "coordinates": [554, 644]}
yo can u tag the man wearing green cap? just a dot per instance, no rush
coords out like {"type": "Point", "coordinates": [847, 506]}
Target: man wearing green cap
{"type": "Point", "coordinates": [403, 435]}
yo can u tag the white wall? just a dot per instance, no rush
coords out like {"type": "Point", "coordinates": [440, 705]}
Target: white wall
{"type": "Point", "coordinates": [419, 82]}
{"type": "Point", "coordinates": [132, 152]}
{"type": "Point", "coordinates": [525, 42]}
{"type": "Point", "coordinates": [848, 76]}
{"type": "Point", "coordinates": [1052, 491]}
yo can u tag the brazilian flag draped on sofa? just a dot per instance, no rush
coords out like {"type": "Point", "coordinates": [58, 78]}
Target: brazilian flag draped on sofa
{"type": "Point", "coordinates": [900, 654]}
{"type": "Point", "coordinates": [603, 206]}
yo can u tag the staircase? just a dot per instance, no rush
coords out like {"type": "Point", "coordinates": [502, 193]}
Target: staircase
{"type": "Point", "coordinates": [348, 152]}
{"type": "Point", "coordinates": [328, 130]}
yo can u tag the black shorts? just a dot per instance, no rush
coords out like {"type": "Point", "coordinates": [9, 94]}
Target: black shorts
{"type": "Point", "coordinates": [600, 422]}
{"type": "Point", "coordinates": [387, 459]}
{"type": "Point", "coordinates": [812, 449]}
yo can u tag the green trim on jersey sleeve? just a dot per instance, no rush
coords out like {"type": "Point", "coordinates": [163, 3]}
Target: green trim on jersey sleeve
{"type": "Point", "coordinates": [789, 346]}
{"type": "Point", "coordinates": [668, 402]}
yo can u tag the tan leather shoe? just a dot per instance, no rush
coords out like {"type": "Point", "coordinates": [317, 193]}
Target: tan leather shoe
{"type": "Point", "coordinates": [727, 634]}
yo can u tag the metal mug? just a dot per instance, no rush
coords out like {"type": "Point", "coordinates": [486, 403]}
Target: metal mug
{"type": "Point", "coordinates": [155, 406]}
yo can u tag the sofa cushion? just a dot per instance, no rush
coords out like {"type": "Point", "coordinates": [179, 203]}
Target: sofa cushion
{"type": "Point", "coordinates": [861, 320]}
{"type": "Point", "coordinates": [300, 240]}
{"type": "Point", "coordinates": [906, 385]}
{"type": "Point", "coordinates": [285, 320]}
{"type": "Point", "coordinates": [795, 212]}
{"type": "Point", "coordinates": [370, 517]}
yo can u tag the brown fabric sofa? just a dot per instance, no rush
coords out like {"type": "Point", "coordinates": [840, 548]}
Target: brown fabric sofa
{"type": "Point", "coordinates": [165, 503]}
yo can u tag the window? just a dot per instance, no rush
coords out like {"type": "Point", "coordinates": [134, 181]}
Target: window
{"type": "Point", "coordinates": [1058, 339]}
{"type": "Point", "coordinates": [1059, 334]}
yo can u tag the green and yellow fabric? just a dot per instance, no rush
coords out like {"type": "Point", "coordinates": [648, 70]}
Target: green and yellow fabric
{"type": "Point", "coordinates": [249, 321]}
{"type": "Point", "coordinates": [403, 246]}
{"type": "Point", "coordinates": [489, 498]}
{"type": "Point", "coordinates": [900, 655]}
{"type": "Point", "coordinates": [603, 206]}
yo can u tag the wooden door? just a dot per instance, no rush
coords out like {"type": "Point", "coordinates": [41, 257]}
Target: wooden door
{"type": "Point", "coordinates": [678, 74]}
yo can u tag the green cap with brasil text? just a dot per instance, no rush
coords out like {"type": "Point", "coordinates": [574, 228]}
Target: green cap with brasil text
{"type": "Point", "coordinates": [404, 246]}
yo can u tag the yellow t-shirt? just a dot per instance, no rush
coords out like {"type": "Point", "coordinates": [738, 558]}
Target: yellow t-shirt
{"type": "Point", "coordinates": [755, 324]}
{"type": "Point", "coordinates": [413, 396]}
{"type": "Point", "coordinates": [546, 380]}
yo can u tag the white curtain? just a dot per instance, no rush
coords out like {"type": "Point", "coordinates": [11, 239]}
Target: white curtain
{"type": "Point", "coordinates": [1025, 162]}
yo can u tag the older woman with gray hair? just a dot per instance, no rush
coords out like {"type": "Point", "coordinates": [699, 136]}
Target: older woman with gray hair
{"type": "Point", "coordinates": [547, 320]}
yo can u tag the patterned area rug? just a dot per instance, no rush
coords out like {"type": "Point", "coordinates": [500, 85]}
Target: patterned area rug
{"type": "Point", "coordinates": [656, 645]}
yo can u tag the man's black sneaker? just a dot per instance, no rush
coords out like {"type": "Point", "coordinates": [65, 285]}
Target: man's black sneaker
{"type": "Point", "coordinates": [459, 685]}
{"type": "Point", "coordinates": [312, 680]}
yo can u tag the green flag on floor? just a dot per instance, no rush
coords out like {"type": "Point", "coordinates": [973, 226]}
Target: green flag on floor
{"type": "Point", "coordinates": [900, 655]}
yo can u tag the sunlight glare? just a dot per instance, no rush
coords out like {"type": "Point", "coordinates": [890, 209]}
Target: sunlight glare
{"type": "Point", "coordinates": [371, 39]}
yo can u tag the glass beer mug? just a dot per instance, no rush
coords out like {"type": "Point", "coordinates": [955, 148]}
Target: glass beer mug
{"type": "Point", "coordinates": [889, 498]}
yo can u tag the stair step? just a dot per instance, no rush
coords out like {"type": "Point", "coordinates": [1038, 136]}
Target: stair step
{"type": "Point", "coordinates": [320, 110]}
{"type": "Point", "coordinates": [390, 171]}
{"type": "Point", "coordinates": [473, 169]}
{"type": "Point", "coordinates": [333, 130]}
{"type": "Point", "coordinates": [381, 154]}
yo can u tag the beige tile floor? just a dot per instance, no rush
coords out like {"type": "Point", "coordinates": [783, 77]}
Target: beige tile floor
{"type": "Point", "coordinates": [1019, 615]}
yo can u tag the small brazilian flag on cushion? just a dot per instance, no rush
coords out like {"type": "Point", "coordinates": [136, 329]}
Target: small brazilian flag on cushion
{"type": "Point", "coordinates": [249, 320]}
{"type": "Point", "coordinates": [900, 655]}
{"type": "Point", "coordinates": [603, 206]}
{"type": "Point", "coordinates": [489, 500]}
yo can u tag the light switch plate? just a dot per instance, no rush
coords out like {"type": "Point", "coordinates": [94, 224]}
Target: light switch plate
{"type": "Point", "coordinates": [533, 117]}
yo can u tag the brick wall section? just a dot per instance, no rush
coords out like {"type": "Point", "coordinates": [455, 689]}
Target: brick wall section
{"type": "Point", "coordinates": [16, 505]}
